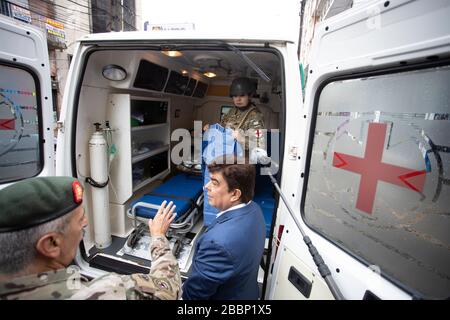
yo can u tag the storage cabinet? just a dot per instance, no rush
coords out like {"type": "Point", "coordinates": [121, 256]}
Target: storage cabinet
{"type": "Point", "coordinates": [141, 134]}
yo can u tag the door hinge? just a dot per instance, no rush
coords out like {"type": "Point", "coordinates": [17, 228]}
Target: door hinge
{"type": "Point", "coordinates": [293, 152]}
{"type": "Point", "coordinates": [60, 126]}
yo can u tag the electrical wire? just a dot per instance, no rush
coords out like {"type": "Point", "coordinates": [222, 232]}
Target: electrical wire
{"type": "Point", "coordinates": [64, 16]}
{"type": "Point", "coordinates": [61, 6]}
{"type": "Point", "coordinates": [41, 6]}
{"type": "Point", "coordinates": [101, 9]}
{"type": "Point", "coordinates": [40, 14]}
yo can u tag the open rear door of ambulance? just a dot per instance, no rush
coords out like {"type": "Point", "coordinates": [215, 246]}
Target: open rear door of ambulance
{"type": "Point", "coordinates": [375, 184]}
{"type": "Point", "coordinates": [26, 116]}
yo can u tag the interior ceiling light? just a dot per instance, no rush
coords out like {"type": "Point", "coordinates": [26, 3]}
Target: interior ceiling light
{"type": "Point", "coordinates": [172, 53]}
{"type": "Point", "coordinates": [184, 72]}
{"type": "Point", "coordinates": [114, 72]}
{"type": "Point", "coordinates": [210, 74]}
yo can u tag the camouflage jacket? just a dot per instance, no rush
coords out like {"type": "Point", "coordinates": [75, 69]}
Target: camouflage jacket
{"type": "Point", "coordinates": [163, 282]}
{"type": "Point", "coordinates": [252, 121]}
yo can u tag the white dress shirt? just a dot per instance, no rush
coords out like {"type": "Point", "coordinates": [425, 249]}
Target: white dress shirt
{"type": "Point", "coordinates": [238, 206]}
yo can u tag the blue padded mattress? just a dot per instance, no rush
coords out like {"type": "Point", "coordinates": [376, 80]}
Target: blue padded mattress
{"type": "Point", "coordinates": [264, 197]}
{"type": "Point", "coordinates": [267, 205]}
{"type": "Point", "coordinates": [183, 190]}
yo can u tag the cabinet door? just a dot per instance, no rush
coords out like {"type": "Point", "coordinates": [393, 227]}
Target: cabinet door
{"type": "Point", "coordinates": [149, 139]}
{"type": "Point", "coordinates": [118, 114]}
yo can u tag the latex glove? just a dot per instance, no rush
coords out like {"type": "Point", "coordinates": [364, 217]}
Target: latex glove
{"type": "Point", "coordinates": [258, 155]}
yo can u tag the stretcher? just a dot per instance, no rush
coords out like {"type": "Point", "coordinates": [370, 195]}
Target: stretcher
{"type": "Point", "coordinates": [184, 190]}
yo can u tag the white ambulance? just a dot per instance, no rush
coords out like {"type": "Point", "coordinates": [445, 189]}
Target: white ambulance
{"type": "Point", "coordinates": [362, 161]}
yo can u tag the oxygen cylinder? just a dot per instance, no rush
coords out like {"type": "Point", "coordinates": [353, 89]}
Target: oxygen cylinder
{"type": "Point", "coordinates": [100, 194]}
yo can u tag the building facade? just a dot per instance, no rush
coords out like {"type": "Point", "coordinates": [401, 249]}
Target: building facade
{"type": "Point", "coordinates": [312, 13]}
{"type": "Point", "coordinates": [65, 21]}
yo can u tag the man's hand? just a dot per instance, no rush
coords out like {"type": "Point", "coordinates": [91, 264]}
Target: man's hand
{"type": "Point", "coordinates": [160, 223]}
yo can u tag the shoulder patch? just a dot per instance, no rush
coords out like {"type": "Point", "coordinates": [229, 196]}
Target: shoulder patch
{"type": "Point", "coordinates": [162, 284]}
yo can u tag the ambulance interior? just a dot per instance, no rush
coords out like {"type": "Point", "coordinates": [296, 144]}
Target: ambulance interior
{"type": "Point", "coordinates": [162, 91]}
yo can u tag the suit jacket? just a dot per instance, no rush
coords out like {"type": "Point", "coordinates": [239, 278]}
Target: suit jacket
{"type": "Point", "coordinates": [227, 257]}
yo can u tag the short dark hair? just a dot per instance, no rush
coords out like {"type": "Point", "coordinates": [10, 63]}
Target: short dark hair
{"type": "Point", "coordinates": [238, 174]}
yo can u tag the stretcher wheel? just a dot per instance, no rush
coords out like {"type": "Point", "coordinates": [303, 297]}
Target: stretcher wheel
{"type": "Point", "coordinates": [135, 235]}
{"type": "Point", "coordinates": [177, 248]}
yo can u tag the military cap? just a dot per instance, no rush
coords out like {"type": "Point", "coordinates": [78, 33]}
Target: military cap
{"type": "Point", "coordinates": [35, 201]}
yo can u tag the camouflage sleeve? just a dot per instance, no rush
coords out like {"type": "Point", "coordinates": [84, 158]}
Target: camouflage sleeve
{"type": "Point", "coordinates": [163, 282]}
{"type": "Point", "coordinates": [226, 118]}
{"type": "Point", "coordinates": [254, 128]}
{"type": "Point", "coordinates": [165, 265]}
{"type": "Point", "coordinates": [223, 121]}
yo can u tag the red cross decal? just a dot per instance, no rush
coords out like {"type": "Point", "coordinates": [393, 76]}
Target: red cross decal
{"type": "Point", "coordinates": [7, 124]}
{"type": "Point", "coordinates": [258, 133]}
{"type": "Point", "coordinates": [372, 169]}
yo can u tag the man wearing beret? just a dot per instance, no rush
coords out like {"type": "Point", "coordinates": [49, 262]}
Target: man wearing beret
{"type": "Point", "coordinates": [42, 222]}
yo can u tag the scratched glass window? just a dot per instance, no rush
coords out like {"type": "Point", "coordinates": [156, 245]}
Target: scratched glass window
{"type": "Point", "coordinates": [379, 175]}
{"type": "Point", "coordinates": [19, 125]}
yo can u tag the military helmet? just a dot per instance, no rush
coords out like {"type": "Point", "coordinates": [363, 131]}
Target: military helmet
{"type": "Point", "coordinates": [242, 87]}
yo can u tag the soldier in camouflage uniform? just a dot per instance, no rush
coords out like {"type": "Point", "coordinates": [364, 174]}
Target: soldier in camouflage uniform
{"type": "Point", "coordinates": [245, 118]}
{"type": "Point", "coordinates": [41, 225]}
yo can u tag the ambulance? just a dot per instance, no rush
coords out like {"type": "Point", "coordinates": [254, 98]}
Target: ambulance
{"type": "Point", "coordinates": [356, 190]}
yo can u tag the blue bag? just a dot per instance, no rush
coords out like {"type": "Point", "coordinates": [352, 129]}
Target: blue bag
{"type": "Point", "coordinates": [217, 141]}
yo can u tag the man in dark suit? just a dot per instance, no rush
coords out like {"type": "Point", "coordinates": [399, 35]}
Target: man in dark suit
{"type": "Point", "coordinates": [226, 261]}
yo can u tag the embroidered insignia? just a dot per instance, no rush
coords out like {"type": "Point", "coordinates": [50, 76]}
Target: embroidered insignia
{"type": "Point", "coordinates": [162, 284]}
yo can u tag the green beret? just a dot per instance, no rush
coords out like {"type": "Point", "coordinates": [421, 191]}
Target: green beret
{"type": "Point", "coordinates": [35, 201]}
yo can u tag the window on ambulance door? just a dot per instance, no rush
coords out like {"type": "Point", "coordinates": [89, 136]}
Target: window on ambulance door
{"type": "Point", "coordinates": [379, 175]}
{"type": "Point", "coordinates": [20, 141]}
